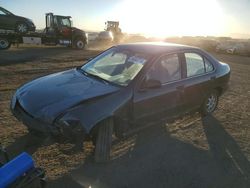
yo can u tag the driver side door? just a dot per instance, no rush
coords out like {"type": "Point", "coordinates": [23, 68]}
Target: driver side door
{"type": "Point", "coordinates": [165, 101]}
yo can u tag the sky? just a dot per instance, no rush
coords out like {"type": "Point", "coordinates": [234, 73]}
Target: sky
{"type": "Point", "coordinates": [157, 18]}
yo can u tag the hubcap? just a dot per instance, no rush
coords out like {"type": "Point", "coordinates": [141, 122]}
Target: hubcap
{"type": "Point", "coordinates": [211, 103]}
{"type": "Point", "coordinates": [22, 28]}
{"type": "Point", "coordinates": [3, 43]}
{"type": "Point", "coordinates": [80, 44]}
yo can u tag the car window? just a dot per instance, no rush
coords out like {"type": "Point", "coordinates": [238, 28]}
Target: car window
{"type": "Point", "coordinates": [165, 70]}
{"type": "Point", "coordinates": [2, 13]}
{"type": "Point", "coordinates": [195, 64]}
{"type": "Point", "coordinates": [208, 66]}
{"type": "Point", "coordinates": [116, 65]}
{"type": "Point", "coordinates": [111, 59]}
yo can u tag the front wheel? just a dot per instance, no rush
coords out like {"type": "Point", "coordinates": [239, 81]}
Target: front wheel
{"type": "Point", "coordinates": [4, 44]}
{"type": "Point", "coordinates": [103, 141]}
{"type": "Point", "coordinates": [210, 103]}
{"type": "Point", "coordinates": [79, 44]}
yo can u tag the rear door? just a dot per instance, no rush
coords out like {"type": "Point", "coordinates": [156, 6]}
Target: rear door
{"type": "Point", "coordinates": [198, 79]}
{"type": "Point", "coordinates": [165, 101]}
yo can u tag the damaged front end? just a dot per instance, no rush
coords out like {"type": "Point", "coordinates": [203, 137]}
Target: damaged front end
{"type": "Point", "coordinates": [33, 124]}
{"type": "Point", "coordinates": [61, 130]}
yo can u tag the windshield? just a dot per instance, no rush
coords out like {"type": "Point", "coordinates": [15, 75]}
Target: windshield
{"type": "Point", "coordinates": [116, 66]}
{"type": "Point", "coordinates": [5, 12]}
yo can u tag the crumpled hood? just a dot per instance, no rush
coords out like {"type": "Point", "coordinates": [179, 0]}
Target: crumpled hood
{"type": "Point", "coordinates": [47, 97]}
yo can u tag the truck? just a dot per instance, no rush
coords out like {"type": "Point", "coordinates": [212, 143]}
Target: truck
{"type": "Point", "coordinates": [58, 30]}
{"type": "Point", "coordinates": [113, 27]}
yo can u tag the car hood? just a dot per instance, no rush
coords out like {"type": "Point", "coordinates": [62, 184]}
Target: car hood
{"type": "Point", "coordinates": [21, 18]}
{"type": "Point", "coordinates": [47, 97]}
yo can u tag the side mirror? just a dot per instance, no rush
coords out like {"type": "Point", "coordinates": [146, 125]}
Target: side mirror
{"type": "Point", "coordinates": [151, 84]}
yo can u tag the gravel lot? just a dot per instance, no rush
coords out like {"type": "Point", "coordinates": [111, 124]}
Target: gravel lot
{"type": "Point", "coordinates": [191, 152]}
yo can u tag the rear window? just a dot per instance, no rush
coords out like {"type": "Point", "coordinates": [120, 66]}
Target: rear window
{"type": "Point", "coordinates": [195, 64]}
{"type": "Point", "coordinates": [208, 66]}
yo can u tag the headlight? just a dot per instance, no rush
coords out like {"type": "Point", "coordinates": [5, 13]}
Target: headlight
{"type": "Point", "coordinates": [69, 127]}
{"type": "Point", "coordinates": [30, 21]}
{"type": "Point", "coordinates": [61, 123]}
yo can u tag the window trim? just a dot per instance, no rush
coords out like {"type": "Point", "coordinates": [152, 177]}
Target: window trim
{"type": "Point", "coordinates": [198, 75]}
{"type": "Point", "coordinates": [141, 76]}
{"type": "Point", "coordinates": [168, 54]}
{"type": "Point", "coordinates": [204, 58]}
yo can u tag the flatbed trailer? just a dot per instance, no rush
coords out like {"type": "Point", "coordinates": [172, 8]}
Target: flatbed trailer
{"type": "Point", "coordinates": [58, 31]}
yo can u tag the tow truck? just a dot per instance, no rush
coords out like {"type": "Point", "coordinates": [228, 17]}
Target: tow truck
{"type": "Point", "coordinates": [59, 30]}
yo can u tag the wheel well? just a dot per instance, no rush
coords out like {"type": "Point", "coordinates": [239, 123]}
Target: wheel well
{"type": "Point", "coordinates": [219, 90]}
{"type": "Point", "coordinates": [76, 37]}
{"type": "Point", "coordinates": [20, 22]}
{"type": "Point", "coordinates": [96, 126]}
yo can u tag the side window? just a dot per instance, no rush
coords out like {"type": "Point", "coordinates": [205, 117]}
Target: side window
{"type": "Point", "coordinates": [165, 70]}
{"type": "Point", "coordinates": [195, 64]}
{"type": "Point", "coordinates": [208, 66]}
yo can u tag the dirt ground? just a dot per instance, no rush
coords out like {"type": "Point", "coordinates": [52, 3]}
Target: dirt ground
{"type": "Point", "coordinates": [191, 152]}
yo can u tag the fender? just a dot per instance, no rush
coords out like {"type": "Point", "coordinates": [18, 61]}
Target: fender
{"type": "Point", "coordinates": [90, 113]}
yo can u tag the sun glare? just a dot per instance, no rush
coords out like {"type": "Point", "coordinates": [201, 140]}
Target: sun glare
{"type": "Point", "coordinates": [161, 18]}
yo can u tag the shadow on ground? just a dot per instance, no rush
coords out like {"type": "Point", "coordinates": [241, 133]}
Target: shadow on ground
{"type": "Point", "coordinates": [28, 143]}
{"type": "Point", "coordinates": [22, 54]}
{"type": "Point", "coordinates": [159, 160]}
{"type": "Point", "coordinates": [25, 54]}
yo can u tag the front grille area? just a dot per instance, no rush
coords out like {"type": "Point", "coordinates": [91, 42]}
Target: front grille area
{"type": "Point", "coordinates": [28, 120]}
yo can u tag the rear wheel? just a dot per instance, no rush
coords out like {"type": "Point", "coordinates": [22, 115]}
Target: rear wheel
{"type": "Point", "coordinates": [210, 103]}
{"type": "Point", "coordinates": [4, 44]}
{"type": "Point", "coordinates": [103, 141]}
{"type": "Point", "coordinates": [22, 28]}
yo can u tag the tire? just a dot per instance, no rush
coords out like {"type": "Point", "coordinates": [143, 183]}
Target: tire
{"type": "Point", "coordinates": [210, 103]}
{"type": "Point", "coordinates": [79, 43]}
{"type": "Point", "coordinates": [22, 28]}
{"type": "Point", "coordinates": [103, 141]}
{"type": "Point", "coordinates": [4, 44]}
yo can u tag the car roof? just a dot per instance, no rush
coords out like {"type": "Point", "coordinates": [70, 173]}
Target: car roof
{"type": "Point", "coordinates": [155, 48]}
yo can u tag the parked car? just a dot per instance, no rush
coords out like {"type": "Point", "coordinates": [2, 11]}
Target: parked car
{"type": "Point", "coordinates": [105, 36]}
{"type": "Point", "coordinates": [92, 36]}
{"type": "Point", "coordinates": [121, 90]}
{"type": "Point", "coordinates": [9, 21]}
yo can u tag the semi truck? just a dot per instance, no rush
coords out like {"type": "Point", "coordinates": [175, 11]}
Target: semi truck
{"type": "Point", "coordinates": [58, 31]}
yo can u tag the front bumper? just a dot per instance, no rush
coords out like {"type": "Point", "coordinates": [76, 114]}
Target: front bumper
{"type": "Point", "coordinates": [37, 125]}
{"type": "Point", "coordinates": [31, 122]}
{"type": "Point", "coordinates": [32, 28]}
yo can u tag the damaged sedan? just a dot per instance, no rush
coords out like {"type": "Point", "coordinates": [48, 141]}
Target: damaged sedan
{"type": "Point", "coordinates": [120, 91]}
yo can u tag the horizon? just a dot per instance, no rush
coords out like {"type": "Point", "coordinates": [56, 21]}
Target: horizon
{"type": "Point", "coordinates": [151, 18]}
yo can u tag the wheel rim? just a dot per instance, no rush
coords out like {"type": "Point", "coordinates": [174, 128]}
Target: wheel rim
{"type": "Point", "coordinates": [22, 28]}
{"type": "Point", "coordinates": [80, 44]}
{"type": "Point", "coordinates": [211, 103]}
{"type": "Point", "coordinates": [4, 43]}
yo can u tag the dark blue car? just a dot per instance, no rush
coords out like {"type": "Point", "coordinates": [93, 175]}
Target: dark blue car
{"type": "Point", "coordinates": [120, 91]}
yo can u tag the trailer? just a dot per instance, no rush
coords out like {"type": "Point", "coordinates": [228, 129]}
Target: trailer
{"type": "Point", "coordinates": [58, 31]}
